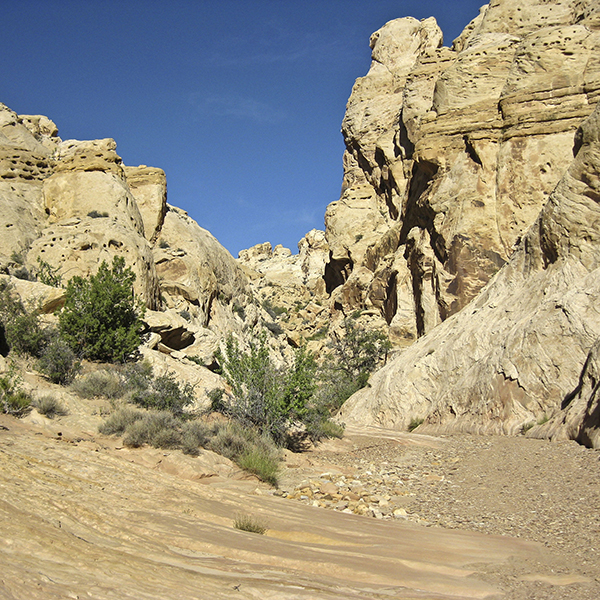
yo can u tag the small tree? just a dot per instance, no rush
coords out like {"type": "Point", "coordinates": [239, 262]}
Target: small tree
{"type": "Point", "coordinates": [21, 329]}
{"type": "Point", "coordinates": [101, 319]}
{"type": "Point", "coordinates": [355, 354]}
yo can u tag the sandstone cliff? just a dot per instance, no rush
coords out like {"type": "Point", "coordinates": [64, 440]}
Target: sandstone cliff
{"type": "Point", "coordinates": [72, 204]}
{"type": "Point", "coordinates": [451, 154]}
{"type": "Point", "coordinates": [514, 355]}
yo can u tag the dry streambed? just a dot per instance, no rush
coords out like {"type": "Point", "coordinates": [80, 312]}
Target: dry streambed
{"type": "Point", "coordinates": [512, 486]}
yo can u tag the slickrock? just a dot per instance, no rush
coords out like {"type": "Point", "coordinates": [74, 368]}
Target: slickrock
{"type": "Point", "coordinates": [82, 516]}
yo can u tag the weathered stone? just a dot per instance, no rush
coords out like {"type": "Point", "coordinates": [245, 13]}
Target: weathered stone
{"type": "Point", "coordinates": [515, 352]}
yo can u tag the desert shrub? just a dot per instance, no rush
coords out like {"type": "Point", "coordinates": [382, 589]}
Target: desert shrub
{"type": "Point", "coordinates": [194, 434]}
{"type": "Point", "coordinates": [250, 524]}
{"type": "Point", "coordinates": [58, 362]}
{"type": "Point", "coordinates": [274, 311]}
{"type": "Point", "coordinates": [354, 355]}
{"type": "Point", "coordinates": [169, 437]}
{"type": "Point", "coordinates": [94, 214]}
{"type": "Point", "coordinates": [159, 429]}
{"type": "Point", "coordinates": [23, 331]}
{"type": "Point", "coordinates": [196, 359]}
{"type": "Point", "coordinates": [118, 422]}
{"type": "Point", "coordinates": [414, 423]}
{"type": "Point", "coordinates": [101, 319]}
{"type": "Point", "coordinates": [274, 401]}
{"type": "Point", "coordinates": [48, 274]}
{"type": "Point", "coordinates": [136, 376]}
{"type": "Point", "coordinates": [230, 440]}
{"type": "Point", "coordinates": [319, 425]}
{"type": "Point", "coordinates": [165, 393]}
{"type": "Point", "coordinates": [13, 399]}
{"type": "Point", "coordinates": [23, 273]}
{"type": "Point", "coordinates": [260, 462]}
{"type": "Point", "coordinates": [251, 451]}
{"type": "Point", "coordinates": [50, 407]}
{"type": "Point", "coordinates": [163, 244]}
{"type": "Point", "coordinates": [185, 314]}
{"type": "Point", "coordinates": [100, 383]}
{"type": "Point", "coordinates": [217, 404]}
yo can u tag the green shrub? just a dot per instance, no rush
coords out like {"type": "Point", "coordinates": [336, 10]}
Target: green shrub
{"type": "Point", "coordinates": [101, 319]}
{"type": "Point", "coordinates": [118, 422]}
{"type": "Point", "coordinates": [48, 274]}
{"type": "Point", "coordinates": [414, 423]}
{"type": "Point", "coordinates": [165, 393]}
{"type": "Point", "coordinates": [23, 332]}
{"type": "Point", "coordinates": [355, 354]}
{"type": "Point", "coordinates": [58, 362]}
{"type": "Point", "coordinates": [260, 462]}
{"type": "Point", "coordinates": [50, 407]}
{"type": "Point", "coordinates": [251, 451]}
{"type": "Point", "coordinates": [250, 524]}
{"type": "Point", "coordinates": [159, 429]}
{"type": "Point", "coordinates": [13, 399]}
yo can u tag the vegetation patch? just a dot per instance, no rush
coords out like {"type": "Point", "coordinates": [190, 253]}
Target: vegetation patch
{"type": "Point", "coordinates": [50, 407]}
{"type": "Point", "coordinates": [13, 399]}
{"type": "Point", "coordinates": [250, 524]}
{"type": "Point", "coordinates": [101, 318]}
{"type": "Point", "coordinates": [414, 424]}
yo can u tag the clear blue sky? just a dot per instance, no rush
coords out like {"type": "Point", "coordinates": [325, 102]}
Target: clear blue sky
{"type": "Point", "coordinates": [240, 102]}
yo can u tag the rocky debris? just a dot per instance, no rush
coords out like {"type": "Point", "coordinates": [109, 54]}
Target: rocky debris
{"type": "Point", "coordinates": [531, 489]}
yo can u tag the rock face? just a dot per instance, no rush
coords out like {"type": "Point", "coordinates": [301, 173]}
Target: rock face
{"type": "Point", "coordinates": [515, 354]}
{"type": "Point", "coordinates": [451, 154]}
{"type": "Point", "coordinates": [73, 204]}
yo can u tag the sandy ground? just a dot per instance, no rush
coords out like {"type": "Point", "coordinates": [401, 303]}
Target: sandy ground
{"type": "Point", "coordinates": [83, 517]}
{"type": "Point", "coordinates": [511, 486]}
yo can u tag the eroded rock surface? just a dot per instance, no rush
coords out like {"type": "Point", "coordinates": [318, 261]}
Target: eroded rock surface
{"type": "Point", "coordinates": [516, 352]}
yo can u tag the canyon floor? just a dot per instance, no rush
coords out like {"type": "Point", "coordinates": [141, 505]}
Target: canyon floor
{"type": "Point", "coordinates": [378, 514]}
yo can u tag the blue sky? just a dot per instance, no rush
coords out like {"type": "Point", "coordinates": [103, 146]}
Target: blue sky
{"type": "Point", "coordinates": [240, 102]}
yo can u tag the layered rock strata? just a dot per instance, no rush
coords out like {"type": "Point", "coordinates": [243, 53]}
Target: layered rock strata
{"type": "Point", "coordinates": [514, 355]}
{"type": "Point", "coordinates": [451, 154]}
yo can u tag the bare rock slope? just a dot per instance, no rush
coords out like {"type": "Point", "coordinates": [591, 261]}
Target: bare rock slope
{"type": "Point", "coordinates": [515, 354]}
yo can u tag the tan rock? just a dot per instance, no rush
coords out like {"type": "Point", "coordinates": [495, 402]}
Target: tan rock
{"type": "Point", "coordinates": [149, 188]}
{"type": "Point", "coordinates": [516, 351]}
{"type": "Point", "coordinates": [451, 154]}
